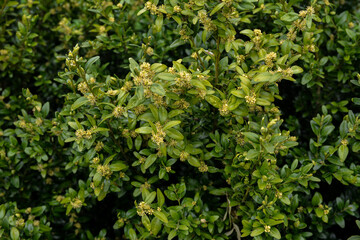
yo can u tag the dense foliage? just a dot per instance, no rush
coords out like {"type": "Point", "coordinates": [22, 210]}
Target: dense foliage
{"type": "Point", "coordinates": [194, 119]}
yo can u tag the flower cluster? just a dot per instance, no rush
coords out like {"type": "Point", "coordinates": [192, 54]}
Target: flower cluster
{"type": "Point", "coordinates": [183, 34]}
{"type": "Point", "coordinates": [206, 21]}
{"type": "Point", "coordinates": [184, 156]}
{"type": "Point", "coordinates": [139, 109]}
{"type": "Point", "coordinates": [83, 87]}
{"type": "Point", "coordinates": [177, 9]}
{"type": "Point", "coordinates": [160, 134]}
{"type": "Point", "coordinates": [203, 167]}
{"type": "Point", "coordinates": [104, 170]}
{"type": "Point", "coordinates": [224, 110]}
{"type": "Point", "coordinates": [99, 146]}
{"type": "Point", "coordinates": [127, 86]}
{"type": "Point", "coordinates": [76, 203]}
{"type": "Point", "coordinates": [144, 209]}
{"type": "Point", "coordinates": [146, 75]}
{"type": "Point", "coordinates": [118, 111]}
{"type": "Point", "coordinates": [257, 39]}
{"type": "Point", "coordinates": [181, 104]}
{"type": "Point", "coordinates": [81, 133]}
{"type": "Point", "coordinates": [183, 80]}
{"type": "Point", "coordinates": [251, 99]}
{"type": "Point", "coordinates": [112, 92]}
{"type": "Point", "coordinates": [91, 98]}
{"type": "Point", "coordinates": [269, 58]}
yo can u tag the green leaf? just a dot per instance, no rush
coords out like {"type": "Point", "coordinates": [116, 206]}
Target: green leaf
{"type": "Point", "coordinates": [251, 136]}
{"type": "Point", "coordinates": [263, 77]}
{"type": "Point", "coordinates": [144, 130]}
{"type": "Point", "coordinates": [15, 181]}
{"type": "Point", "coordinates": [355, 237]}
{"type": "Point", "coordinates": [141, 11]}
{"type": "Point", "coordinates": [133, 65]}
{"type": "Point", "coordinates": [290, 17]}
{"type": "Point", "coordinates": [356, 101]}
{"type": "Point", "coordinates": [175, 134]}
{"type": "Point", "coordinates": [306, 78]}
{"type": "Point", "coordinates": [150, 160]}
{"type": "Point", "coordinates": [79, 102]}
{"type": "Point", "coordinates": [193, 161]}
{"type": "Point", "coordinates": [158, 89]}
{"type": "Point", "coordinates": [109, 159]}
{"type": "Point", "coordinates": [178, 42]}
{"type": "Point", "coordinates": [296, 69]}
{"type": "Point", "coordinates": [132, 234]}
{"type": "Point", "coordinates": [14, 233]}
{"type": "Point", "coordinates": [220, 191]}
{"type": "Point", "coordinates": [99, 129]}
{"type": "Point", "coordinates": [146, 222]}
{"type": "Point", "coordinates": [274, 232]}
{"type": "Point", "coordinates": [174, 113]}
{"type": "Point", "coordinates": [161, 216]}
{"type": "Point", "coordinates": [356, 147]}
{"type": "Point", "coordinates": [158, 23]}
{"type": "Point", "coordinates": [343, 152]}
{"type": "Point", "coordinates": [217, 8]}
{"type": "Point", "coordinates": [351, 34]}
{"type": "Point", "coordinates": [285, 200]}
{"type": "Point", "coordinates": [166, 76]}
{"type": "Point", "coordinates": [160, 197]}
{"type": "Point", "coordinates": [97, 179]}
{"type": "Point", "coordinates": [269, 147]}
{"type": "Point", "coordinates": [118, 166]}
{"type": "Point", "coordinates": [200, 3]}
{"type": "Point", "coordinates": [340, 221]}
{"type": "Point", "coordinates": [163, 114]}
{"type": "Point", "coordinates": [262, 102]}
{"type": "Point", "coordinates": [171, 124]}
{"type": "Point", "coordinates": [38, 211]}
{"type": "Point", "coordinates": [177, 19]}
{"type": "Point", "coordinates": [45, 109]}
{"type": "Point", "coordinates": [317, 199]}
{"type": "Point", "coordinates": [213, 100]}
{"type": "Point", "coordinates": [150, 198]}
{"type": "Point", "coordinates": [172, 234]}
{"type": "Point", "coordinates": [155, 226]}
{"type": "Point", "coordinates": [2, 211]}
{"type": "Point", "coordinates": [12, 3]}
{"type": "Point", "coordinates": [90, 62]}
{"type": "Point", "coordinates": [257, 231]}
{"type": "Point", "coordinates": [248, 46]}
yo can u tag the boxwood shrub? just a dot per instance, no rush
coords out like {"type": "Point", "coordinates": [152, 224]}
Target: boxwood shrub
{"type": "Point", "coordinates": [193, 119]}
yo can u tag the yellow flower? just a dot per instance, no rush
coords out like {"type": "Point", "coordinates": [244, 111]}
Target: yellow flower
{"type": "Point", "coordinates": [104, 170]}
{"type": "Point", "coordinates": [251, 99]}
{"type": "Point", "coordinates": [203, 167]}
{"type": "Point", "coordinates": [99, 146]}
{"type": "Point", "coordinates": [257, 32]}
{"type": "Point", "coordinates": [118, 111]}
{"type": "Point", "coordinates": [76, 203]}
{"type": "Point", "coordinates": [184, 156]}
{"type": "Point", "coordinates": [224, 110]}
{"type": "Point", "coordinates": [20, 223]}
{"type": "Point", "coordinates": [149, 51]}
{"type": "Point", "coordinates": [177, 9]}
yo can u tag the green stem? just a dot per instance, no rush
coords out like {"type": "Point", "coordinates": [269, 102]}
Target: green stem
{"type": "Point", "coordinates": [2, 8]}
{"type": "Point", "coordinates": [217, 61]}
{"type": "Point", "coordinates": [198, 55]}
